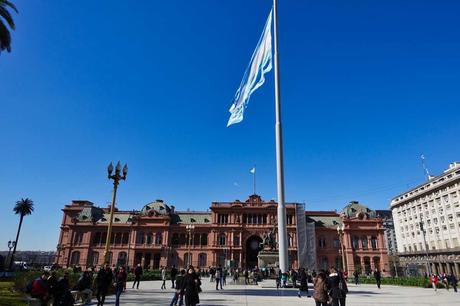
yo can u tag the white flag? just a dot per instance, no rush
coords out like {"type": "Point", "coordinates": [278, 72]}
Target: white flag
{"type": "Point", "coordinates": [254, 76]}
{"type": "Point", "coordinates": [253, 170]}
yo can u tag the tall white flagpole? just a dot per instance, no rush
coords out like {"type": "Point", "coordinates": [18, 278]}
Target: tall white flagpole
{"type": "Point", "coordinates": [282, 230]}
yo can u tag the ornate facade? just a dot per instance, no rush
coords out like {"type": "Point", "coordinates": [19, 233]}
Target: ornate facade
{"type": "Point", "coordinates": [229, 234]}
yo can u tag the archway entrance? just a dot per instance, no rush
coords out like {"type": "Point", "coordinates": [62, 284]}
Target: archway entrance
{"type": "Point", "coordinates": [252, 250]}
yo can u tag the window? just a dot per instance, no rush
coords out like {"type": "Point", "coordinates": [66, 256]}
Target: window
{"type": "Point", "coordinates": [336, 243]}
{"type": "Point", "coordinates": [159, 238]}
{"type": "Point", "coordinates": [149, 238]}
{"type": "Point", "coordinates": [364, 242]}
{"type": "Point", "coordinates": [94, 259]}
{"type": "Point", "coordinates": [77, 238]}
{"type": "Point", "coordinates": [140, 238]}
{"type": "Point", "coordinates": [175, 239]}
{"type": "Point", "coordinates": [236, 240]}
{"type": "Point", "coordinates": [125, 238]}
{"type": "Point", "coordinates": [204, 239]}
{"type": "Point", "coordinates": [97, 238]}
{"type": "Point", "coordinates": [75, 258]}
{"type": "Point", "coordinates": [188, 259]}
{"type": "Point", "coordinates": [202, 258]}
{"type": "Point", "coordinates": [322, 242]}
{"type": "Point", "coordinates": [222, 218]}
{"type": "Point", "coordinates": [221, 239]}
{"type": "Point", "coordinates": [355, 242]}
{"type": "Point", "coordinates": [374, 242]}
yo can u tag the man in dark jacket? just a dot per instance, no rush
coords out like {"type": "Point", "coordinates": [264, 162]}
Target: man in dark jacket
{"type": "Point", "coordinates": [173, 275]}
{"type": "Point", "coordinates": [137, 275]}
{"type": "Point", "coordinates": [453, 281]}
{"type": "Point", "coordinates": [191, 288]}
{"type": "Point", "coordinates": [62, 294]}
{"type": "Point", "coordinates": [84, 288]}
{"type": "Point", "coordinates": [103, 282]}
{"type": "Point", "coordinates": [178, 295]}
{"type": "Point", "coordinates": [378, 278]}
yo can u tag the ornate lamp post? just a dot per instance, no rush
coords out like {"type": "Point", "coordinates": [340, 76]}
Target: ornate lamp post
{"type": "Point", "coordinates": [11, 245]}
{"type": "Point", "coordinates": [116, 179]}
{"type": "Point", "coordinates": [133, 221]}
{"type": "Point", "coordinates": [428, 270]}
{"type": "Point", "coordinates": [189, 228]}
{"type": "Point", "coordinates": [340, 232]}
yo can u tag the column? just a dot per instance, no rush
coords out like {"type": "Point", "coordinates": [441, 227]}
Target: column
{"type": "Point", "coordinates": [456, 268]}
{"type": "Point", "coordinates": [449, 269]}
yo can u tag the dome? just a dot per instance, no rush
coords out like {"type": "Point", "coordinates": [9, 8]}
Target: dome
{"type": "Point", "coordinates": [355, 209]}
{"type": "Point", "coordinates": [157, 207]}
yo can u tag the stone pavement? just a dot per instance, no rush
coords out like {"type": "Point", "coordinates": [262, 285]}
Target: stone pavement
{"type": "Point", "coordinates": [150, 294]}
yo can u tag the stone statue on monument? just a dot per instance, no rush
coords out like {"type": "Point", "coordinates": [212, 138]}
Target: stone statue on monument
{"type": "Point", "coordinates": [268, 240]}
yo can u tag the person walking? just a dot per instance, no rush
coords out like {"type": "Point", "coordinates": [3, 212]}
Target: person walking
{"type": "Point", "coordinates": [453, 281]}
{"type": "Point", "coordinates": [303, 282]}
{"type": "Point", "coordinates": [178, 294]}
{"type": "Point", "coordinates": [338, 288]}
{"type": "Point", "coordinates": [320, 284]}
{"type": "Point", "coordinates": [224, 277]}
{"type": "Point", "coordinates": [120, 284]}
{"type": "Point", "coordinates": [191, 287]}
{"type": "Point", "coordinates": [356, 277]}
{"type": "Point", "coordinates": [103, 281]}
{"type": "Point", "coordinates": [378, 278]}
{"type": "Point", "coordinates": [84, 288]}
{"type": "Point", "coordinates": [163, 277]}
{"type": "Point", "coordinates": [219, 277]}
{"type": "Point", "coordinates": [137, 275]}
{"type": "Point", "coordinates": [173, 276]}
{"type": "Point", "coordinates": [246, 276]}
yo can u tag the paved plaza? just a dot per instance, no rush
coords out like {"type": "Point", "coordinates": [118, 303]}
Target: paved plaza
{"type": "Point", "coordinates": [365, 295]}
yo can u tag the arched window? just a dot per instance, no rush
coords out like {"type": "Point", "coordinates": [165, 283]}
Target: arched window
{"type": "Point", "coordinates": [188, 259]}
{"type": "Point", "coordinates": [93, 259]}
{"type": "Point", "coordinates": [175, 239]}
{"type": "Point", "coordinates": [204, 239]}
{"type": "Point", "coordinates": [374, 242]}
{"type": "Point", "coordinates": [75, 258]}
{"type": "Point", "coordinates": [202, 258]}
{"type": "Point", "coordinates": [367, 265]}
{"type": "Point", "coordinates": [364, 242]}
{"type": "Point", "coordinates": [159, 238]}
{"type": "Point", "coordinates": [322, 242]}
{"type": "Point", "coordinates": [110, 258]}
{"type": "Point", "coordinates": [221, 239]}
{"type": "Point", "coordinates": [121, 261]}
{"type": "Point", "coordinates": [357, 264]}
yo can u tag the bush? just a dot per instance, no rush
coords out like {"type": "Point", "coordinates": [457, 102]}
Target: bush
{"type": "Point", "coordinates": [400, 281]}
{"type": "Point", "coordinates": [21, 279]}
{"type": "Point", "coordinates": [147, 275]}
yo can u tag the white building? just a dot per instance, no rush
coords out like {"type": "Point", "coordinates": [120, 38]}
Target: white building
{"type": "Point", "coordinates": [427, 222]}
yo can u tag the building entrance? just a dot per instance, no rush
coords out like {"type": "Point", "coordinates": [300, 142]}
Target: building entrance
{"type": "Point", "coordinates": [252, 250]}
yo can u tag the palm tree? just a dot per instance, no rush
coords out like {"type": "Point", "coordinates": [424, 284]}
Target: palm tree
{"type": "Point", "coordinates": [22, 208]}
{"type": "Point", "coordinates": [5, 37]}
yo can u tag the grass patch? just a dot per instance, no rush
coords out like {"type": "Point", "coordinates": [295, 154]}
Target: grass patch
{"type": "Point", "coordinates": [8, 297]}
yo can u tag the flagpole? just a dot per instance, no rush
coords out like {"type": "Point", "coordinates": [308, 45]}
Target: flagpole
{"type": "Point", "coordinates": [282, 230]}
{"type": "Point", "coordinates": [254, 178]}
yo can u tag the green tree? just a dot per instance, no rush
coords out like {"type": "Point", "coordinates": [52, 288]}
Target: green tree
{"type": "Point", "coordinates": [5, 16]}
{"type": "Point", "coordinates": [23, 207]}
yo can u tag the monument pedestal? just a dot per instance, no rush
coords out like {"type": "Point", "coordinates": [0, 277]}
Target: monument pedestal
{"type": "Point", "coordinates": [268, 259]}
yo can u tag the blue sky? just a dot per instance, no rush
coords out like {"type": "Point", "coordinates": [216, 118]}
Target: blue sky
{"type": "Point", "coordinates": [367, 86]}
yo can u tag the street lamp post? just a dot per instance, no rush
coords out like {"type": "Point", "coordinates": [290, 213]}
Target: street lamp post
{"type": "Point", "coordinates": [189, 228]}
{"type": "Point", "coordinates": [340, 232]}
{"type": "Point", "coordinates": [11, 245]}
{"type": "Point", "coordinates": [428, 269]}
{"type": "Point", "coordinates": [116, 180]}
{"type": "Point", "coordinates": [133, 221]}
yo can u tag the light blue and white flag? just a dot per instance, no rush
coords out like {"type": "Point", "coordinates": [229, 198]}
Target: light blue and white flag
{"type": "Point", "coordinates": [253, 170]}
{"type": "Point", "coordinates": [254, 76]}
